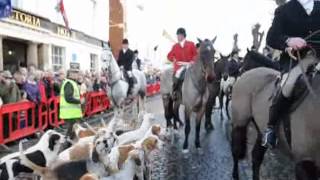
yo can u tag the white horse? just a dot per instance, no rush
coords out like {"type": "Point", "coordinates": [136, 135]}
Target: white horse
{"type": "Point", "coordinates": [118, 87]}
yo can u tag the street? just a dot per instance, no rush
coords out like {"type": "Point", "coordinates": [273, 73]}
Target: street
{"type": "Point", "coordinates": [215, 162]}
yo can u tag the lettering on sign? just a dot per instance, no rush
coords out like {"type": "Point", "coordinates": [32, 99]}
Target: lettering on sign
{"type": "Point", "coordinates": [25, 18]}
{"type": "Point", "coordinates": [63, 32]}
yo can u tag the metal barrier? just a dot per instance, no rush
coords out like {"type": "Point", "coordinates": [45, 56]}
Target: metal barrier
{"type": "Point", "coordinates": [96, 102]}
{"type": "Point", "coordinates": [17, 121]}
{"type": "Point", "coordinates": [23, 119]}
{"type": "Point", "coordinates": [53, 107]}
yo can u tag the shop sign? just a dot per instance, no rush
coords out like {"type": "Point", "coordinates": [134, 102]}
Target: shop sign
{"type": "Point", "coordinates": [25, 18]}
{"type": "Point", "coordinates": [75, 66]}
{"type": "Point", "coordinates": [63, 31]}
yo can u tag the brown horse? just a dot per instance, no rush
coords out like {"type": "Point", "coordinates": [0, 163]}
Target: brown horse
{"type": "Point", "coordinates": [251, 100]}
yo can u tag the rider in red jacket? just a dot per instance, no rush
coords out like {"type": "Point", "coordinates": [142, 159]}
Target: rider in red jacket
{"type": "Point", "coordinates": [182, 53]}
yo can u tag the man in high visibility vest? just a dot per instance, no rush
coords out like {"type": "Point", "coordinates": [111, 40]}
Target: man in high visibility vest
{"type": "Point", "coordinates": [70, 102]}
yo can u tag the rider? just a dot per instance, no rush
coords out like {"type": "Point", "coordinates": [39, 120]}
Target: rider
{"type": "Point", "coordinates": [125, 60]}
{"type": "Point", "coordinates": [293, 22]}
{"type": "Point", "coordinates": [182, 53]}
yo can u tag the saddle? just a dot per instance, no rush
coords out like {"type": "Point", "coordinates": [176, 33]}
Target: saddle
{"type": "Point", "coordinates": [300, 92]}
{"type": "Point", "coordinates": [125, 77]}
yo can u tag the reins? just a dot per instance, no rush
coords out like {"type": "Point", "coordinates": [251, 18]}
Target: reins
{"type": "Point", "coordinates": [299, 59]}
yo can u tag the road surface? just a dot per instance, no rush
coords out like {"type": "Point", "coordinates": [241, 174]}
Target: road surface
{"type": "Point", "coordinates": [215, 163]}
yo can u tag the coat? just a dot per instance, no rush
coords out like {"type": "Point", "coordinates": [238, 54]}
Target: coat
{"type": "Point", "coordinates": [187, 53]}
{"type": "Point", "coordinates": [291, 20]}
{"type": "Point", "coordinates": [126, 59]}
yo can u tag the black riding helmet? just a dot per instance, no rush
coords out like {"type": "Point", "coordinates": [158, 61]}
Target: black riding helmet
{"type": "Point", "coordinates": [182, 31]}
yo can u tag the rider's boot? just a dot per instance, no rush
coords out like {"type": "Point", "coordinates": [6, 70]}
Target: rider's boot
{"type": "Point", "coordinates": [176, 88]}
{"type": "Point", "coordinates": [130, 82]}
{"type": "Point", "coordinates": [279, 107]}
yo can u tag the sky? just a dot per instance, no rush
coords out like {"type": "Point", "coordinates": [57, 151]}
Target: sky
{"type": "Point", "coordinates": [147, 19]}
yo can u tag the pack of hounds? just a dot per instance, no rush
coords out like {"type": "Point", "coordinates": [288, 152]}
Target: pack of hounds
{"type": "Point", "coordinates": [96, 153]}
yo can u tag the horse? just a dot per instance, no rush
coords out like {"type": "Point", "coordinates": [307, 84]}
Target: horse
{"type": "Point", "coordinates": [118, 87]}
{"type": "Point", "coordinates": [171, 108]}
{"type": "Point", "coordinates": [251, 99]}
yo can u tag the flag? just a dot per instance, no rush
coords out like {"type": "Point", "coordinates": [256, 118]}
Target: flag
{"type": "Point", "coordinates": [167, 36]}
{"type": "Point", "coordinates": [5, 8]}
{"type": "Point", "coordinates": [60, 8]}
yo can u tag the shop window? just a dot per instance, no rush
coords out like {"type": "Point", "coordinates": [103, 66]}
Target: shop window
{"type": "Point", "coordinates": [58, 58]}
{"type": "Point", "coordinates": [93, 62]}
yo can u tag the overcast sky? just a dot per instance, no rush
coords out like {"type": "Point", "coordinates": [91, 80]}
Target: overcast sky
{"type": "Point", "coordinates": [201, 18]}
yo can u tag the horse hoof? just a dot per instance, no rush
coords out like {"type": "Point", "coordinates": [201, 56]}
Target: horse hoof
{"type": "Point", "coordinates": [209, 127]}
{"type": "Point", "coordinates": [185, 151]}
{"type": "Point", "coordinates": [200, 151]}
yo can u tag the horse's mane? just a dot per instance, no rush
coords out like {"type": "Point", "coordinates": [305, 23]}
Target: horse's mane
{"type": "Point", "coordinates": [255, 59]}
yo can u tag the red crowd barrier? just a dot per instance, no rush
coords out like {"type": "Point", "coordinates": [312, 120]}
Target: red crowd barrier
{"type": "Point", "coordinates": [153, 89]}
{"type": "Point", "coordinates": [96, 102]}
{"type": "Point", "coordinates": [19, 118]}
{"type": "Point", "coordinates": [26, 118]}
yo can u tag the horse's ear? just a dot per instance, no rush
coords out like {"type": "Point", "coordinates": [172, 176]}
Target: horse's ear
{"type": "Point", "coordinates": [248, 50]}
{"type": "Point", "coordinates": [214, 39]}
{"type": "Point", "coordinates": [199, 40]}
{"type": "Point", "coordinates": [221, 56]}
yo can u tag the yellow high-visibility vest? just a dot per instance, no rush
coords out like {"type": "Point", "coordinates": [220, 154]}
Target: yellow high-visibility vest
{"type": "Point", "coordinates": [67, 110]}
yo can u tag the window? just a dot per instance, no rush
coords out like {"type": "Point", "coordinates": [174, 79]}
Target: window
{"type": "Point", "coordinates": [93, 62]}
{"type": "Point", "coordinates": [58, 58]}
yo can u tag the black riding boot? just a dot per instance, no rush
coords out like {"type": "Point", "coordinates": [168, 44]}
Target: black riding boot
{"type": "Point", "coordinates": [130, 81]}
{"type": "Point", "coordinates": [176, 87]}
{"type": "Point", "coordinates": [279, 107]}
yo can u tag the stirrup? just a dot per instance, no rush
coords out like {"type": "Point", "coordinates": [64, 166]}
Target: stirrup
{"type": "Point", "coordinates": [269, 139]}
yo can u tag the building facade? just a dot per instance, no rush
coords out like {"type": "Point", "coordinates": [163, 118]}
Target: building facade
{"type": "Point", "coordinates": [35, 34]}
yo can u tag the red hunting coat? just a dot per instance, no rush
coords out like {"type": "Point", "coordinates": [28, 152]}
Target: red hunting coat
{"type": "Point", "coordinates": [187, 53]}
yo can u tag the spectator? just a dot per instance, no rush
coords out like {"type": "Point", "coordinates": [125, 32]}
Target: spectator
{"type": "Point", "coordinates": [96, 83]}
{"type": "Point", "coordinates": [82, 84]}
{"type": "Point", "coordinates": [9, 93]}
{"type": "Point", "coordinates": [20, 79]}
{"type": "Point", "coordinates": [32, 89]}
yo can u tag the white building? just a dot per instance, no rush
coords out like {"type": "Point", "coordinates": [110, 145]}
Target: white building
{"type": "Point", "coordinates": [35, 34]}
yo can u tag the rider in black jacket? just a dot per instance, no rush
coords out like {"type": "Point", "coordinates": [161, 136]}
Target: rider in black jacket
{"type": "Point", "coordinates": [125, 59]}
{"type": "Point", "coordinates": [293, 21]}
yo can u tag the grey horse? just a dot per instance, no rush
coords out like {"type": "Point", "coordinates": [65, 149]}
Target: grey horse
{"type": "Point", "coordinates": [195, 90]}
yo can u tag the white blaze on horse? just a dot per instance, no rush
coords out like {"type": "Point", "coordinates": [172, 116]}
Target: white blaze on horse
{"type": "Point", "coordinates": [118, 86]}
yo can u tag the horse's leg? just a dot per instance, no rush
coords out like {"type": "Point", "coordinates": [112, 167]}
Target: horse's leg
{"type": "Point", "coordinates": [176, 116]}
{"type": "Point", "coordinates": [227, 106]}
{"type": "Point", "coordinates": [221, 95]}
{"type": "Point", "coordinates": [168, 109]}
{"type": "Point", "coordinates": [257, 157]}
{"type": "Point", "coordinates": [198, 126]}
{"type": "Point", "coordinates": [306, 170]}
{"type": "Point", "coordinates": [235, 172]}
{"type": "Point", "coordinates": [209, 107]}
{"type": "Point", "coordinates": [238, 147]}
{"type": "Point", "coordinates": [186, 129]}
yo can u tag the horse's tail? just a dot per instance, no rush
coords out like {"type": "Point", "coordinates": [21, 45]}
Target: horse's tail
{"type": "Point", "coordinates": [239, 142]}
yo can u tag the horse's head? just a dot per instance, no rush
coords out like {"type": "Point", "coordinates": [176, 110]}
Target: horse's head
{"type": "Point", "coordinates": [107, 59]}
{"type": "Point", "coordinates": [206, 57]}
{"type": "Point", "coordinates": [110, 65]}
{"type": "Point", "coordinates": [254, 59]}
{"type": "Point", "coordinates": [221, 67]}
